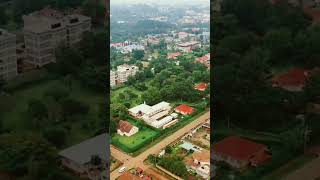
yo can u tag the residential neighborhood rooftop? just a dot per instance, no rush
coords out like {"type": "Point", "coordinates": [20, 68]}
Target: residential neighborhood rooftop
{"type": "Point", "coordinates": [82, 152]}
{"type": "Point", "coordinates": [124, 126]}
{"type": "Point", "coordinates": [238, 148]}
{"type": "Point", "coordinates": [184, 109]}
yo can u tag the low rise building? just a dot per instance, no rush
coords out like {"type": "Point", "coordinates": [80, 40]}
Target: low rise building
{"type": "Point", "coordinates": [293, 80]}
{"type": "Point", "coordinates": [8, 55]}
{"type": "Point", "coordinates": [205, 60]}
{"type": "Point", "coordinates": [201, 86]}
{"type": "Point", "coordinates": [155, 115]}
{"type": "Point", "coordinates": [184, 109]}
{"type": "Point", "coordinates": [174, 55]}
{"type": "Point", "coordinates": [188, 46]}
{"type": "Point", "coordinates": [126, 129]}
{"type": "Point", "coordinates": [199, 162]}
{"type": "Point", "coordinates": [78, 158]}
{"type": "Point", "coordinates": [240, 153]}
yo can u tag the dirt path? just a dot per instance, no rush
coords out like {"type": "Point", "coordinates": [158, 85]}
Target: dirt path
{"type": "Point", "coordinates": [132, 162]}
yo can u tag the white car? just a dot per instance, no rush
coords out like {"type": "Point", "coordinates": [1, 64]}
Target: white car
{"type": "Point", "coordinates": [123, 169]}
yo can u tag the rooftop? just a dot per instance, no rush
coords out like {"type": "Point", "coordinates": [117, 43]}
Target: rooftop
{"type": "Point", "coordinates": [185, 109]}
{"type": "Point", "coordinates": [189, 146]}
{"type": "Point", "coordinates": [124, 126]}
{"type": "Point", "coordinates": [293, 77]}
{"type": "Point", "coordinates": [204, 58]}
{"type": "Point", "coordinates": [82, 152]}
{"type": "Point", "coordinates": [201, 86]}
{"type": "Point", "coordinates": [237, 148]}
{"type": "Point", "coordinates": [191, 43]}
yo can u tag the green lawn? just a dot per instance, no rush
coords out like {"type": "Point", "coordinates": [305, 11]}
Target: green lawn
{"type": "Point", "coordinates": [136, 141]}
{"type": "Point", "coordinates": [16, 105]}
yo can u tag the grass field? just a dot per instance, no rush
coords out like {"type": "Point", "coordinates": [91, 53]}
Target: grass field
{"type": "Point", "coordinates": [16, 104]}
{"type": "Point", "coordinates": [136, 141]}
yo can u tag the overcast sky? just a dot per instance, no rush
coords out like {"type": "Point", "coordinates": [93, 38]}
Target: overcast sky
{"type": "Point", "coordinates": [160, 1]}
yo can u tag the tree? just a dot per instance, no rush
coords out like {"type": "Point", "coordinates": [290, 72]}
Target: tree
{"type": "Point", "coordinates": [279, 44]}
{"type": "Point", "coordinates": [118, 110]}
{"type": "Point", "coordinates": [57, 93]}
{"type": "Point", "coordinates": [17, 150]}
{"type": "Point", "coordinates": [138, 54]}
{"type": "Point", "coordinates": [3, 16]}
{"type": "Point", "coordinates": [168, 149]}
{"type": "Point", "coordinates": [37, 111]}
{"type": "Point", "coordinates": [312, 89]}
{"type": "Point", "coordinates": [94, 9]}
{"type": "Point", "coordinates": [71, 107]}
{"type": "Point", "coordinates": [2, 84]}
{"type": "Point", "coordinates": [68, 60]}
{"type": "Point", "coordinates": [56, 136]}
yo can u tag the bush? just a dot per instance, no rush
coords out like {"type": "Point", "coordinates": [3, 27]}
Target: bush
{"type": "Point", "coordinates": [56, 136]}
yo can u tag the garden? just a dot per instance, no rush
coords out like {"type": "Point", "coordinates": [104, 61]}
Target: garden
{"type": "Point", "coordinates": [136, 141]}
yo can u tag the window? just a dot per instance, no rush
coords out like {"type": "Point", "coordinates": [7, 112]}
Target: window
{"type": "Point", "coordinates": [74, 20]}
{"type": "Point", "coordinates": [54, 26]}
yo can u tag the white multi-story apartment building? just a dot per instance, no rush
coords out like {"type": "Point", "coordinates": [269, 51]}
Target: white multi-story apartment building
{"type": "Point", "coordinates": [125, 71]}
{"type": "Point", "coordinates": [122, 74]}
{"type": "Point", "coordinates": [44, 30]}
{"type": "Point", "coordinates": [112, 78]}
{"type": "Point", "coordinates": [8, 55]}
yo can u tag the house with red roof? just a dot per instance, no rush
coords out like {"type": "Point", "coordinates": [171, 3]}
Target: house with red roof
{"type": "Point", "coordinates": [240, 153]}
{"type": "Point", "coordinates": [293, 80]}
{"type": "Point", "coordinates": [174, 55]}
{"type": "Point", "coordinates": [184, 109]}
{"type": "Point", "coordinates": [201, 86]}
{"type": "Point", "coordinates": [126, 129]}
{"type": "Point", "coordinates": [204, 60]}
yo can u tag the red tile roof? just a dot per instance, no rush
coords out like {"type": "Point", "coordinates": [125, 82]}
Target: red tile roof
{"type": "Point", "coordinates": [238, 148]}
{"type": "Point", "coordinates": [184, 109]}
{"type": "Point", "coordinates": [124, 126]}
{"type": "Point", "coordinates": [260, 158]}
{"type": "Point", "coordinates": [201, 86]}
{"type": "Point", "coordinates": [174, 55]}
{"type": "Point", "coordinates": [204, 58]}
{"type": "Point", "coordinates": [294, 77]}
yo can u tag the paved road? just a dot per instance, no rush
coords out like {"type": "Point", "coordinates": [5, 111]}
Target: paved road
{"type": "Point", "coordinates": [132, 162]}
{"type": "Point", "coordinates": [310, 171]}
